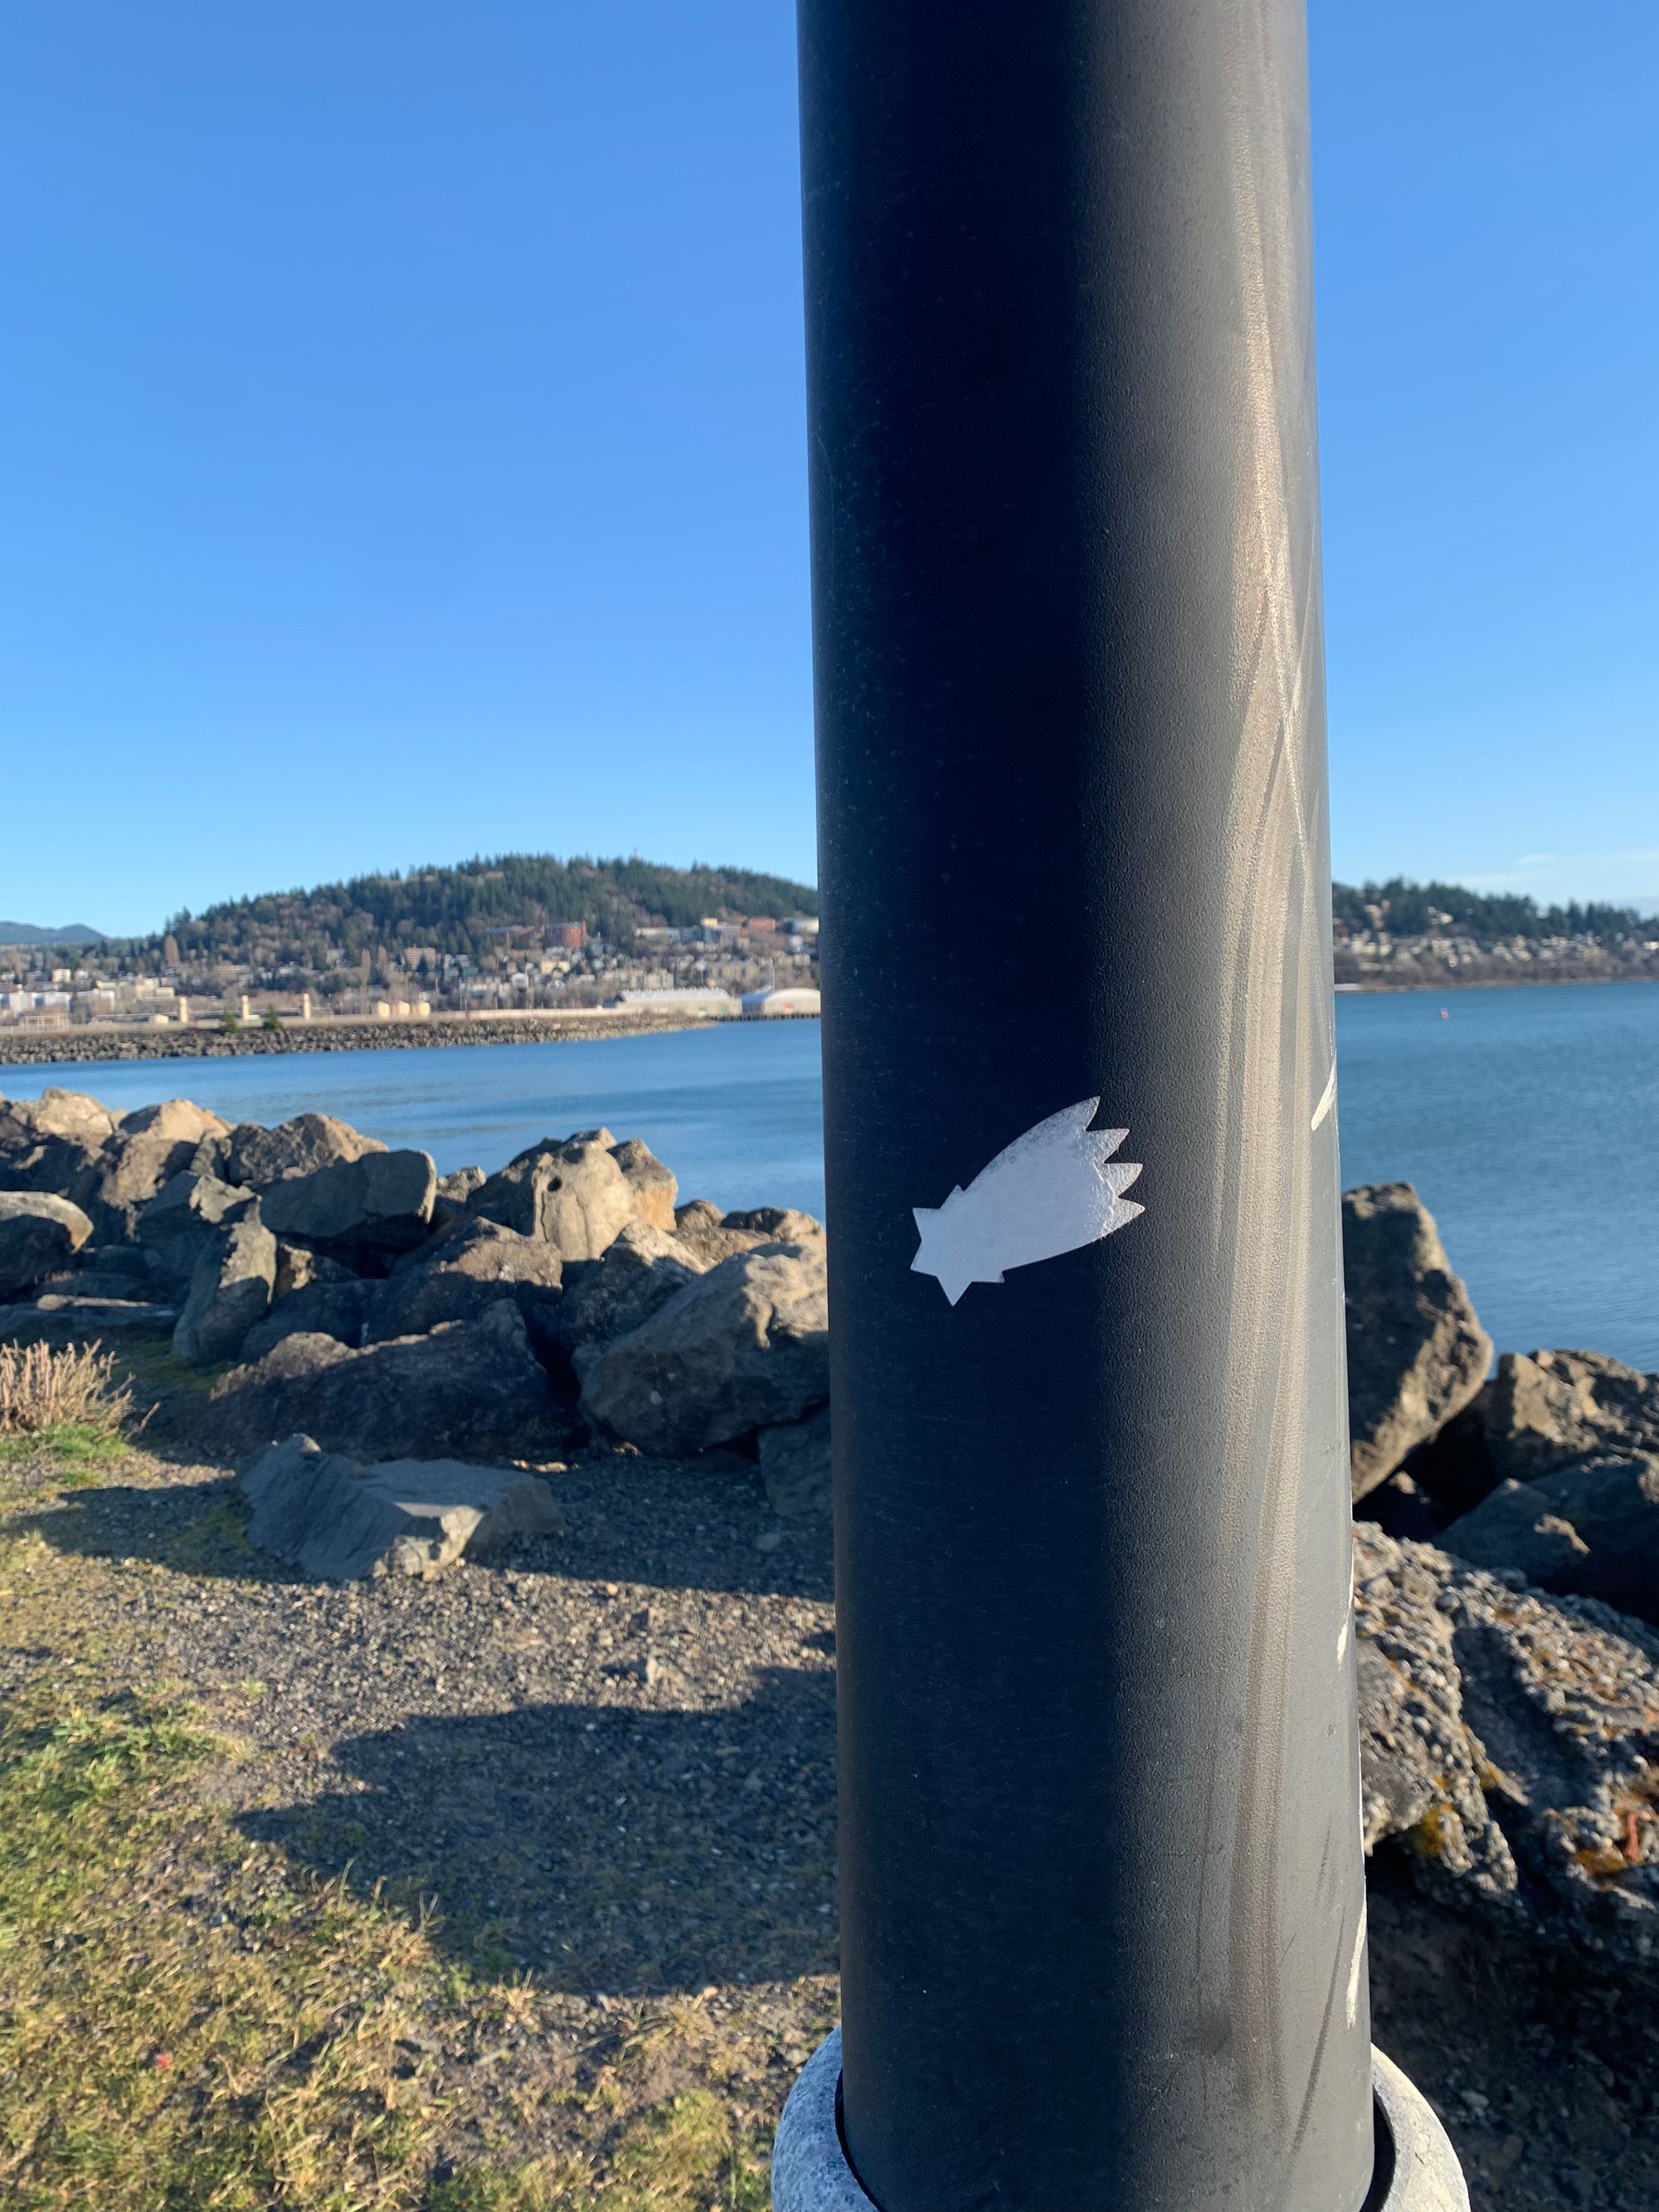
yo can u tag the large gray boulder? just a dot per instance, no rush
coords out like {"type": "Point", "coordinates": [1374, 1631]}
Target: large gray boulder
{"type": "Point", "coordinates": [179, 1121]}
{"type": "Point", "coordinates": [569, 1192]}
{"type": "Point", "coordinates": [339, 1309]}
{"type": "Point", "coordinates": [52, 1143]}
{"type": "Point", "coordinates": [777, 1224]}
{"type": "Point", "coordinates": [711, 1236]}
{"type": "Point", "coordinates": [298, 1267]}
{"type": "Point", "coordinates": [1548, 1409]}
{"type": "Point", "coordinates": [379, 1202]}
{"type": "Point", "coordinates": [340, 1520]}
{"type": "Point", "coordinates": [746, 1346]}
{"type": "Point", "coordinates": [1608, 1506]}
{"type": "Point", "coordinates": [260, 1157]}
{"type": "Point", "coordinates": [151, 1147]}
{"type": "Point", "coordinates": [470, 1387]}
{"type": "Point", "coordinates": [1416, 1352]}
{"type": "Point", "coordinates": [1515, 1529]}
{"type": "Point", "coordinates": [456, 1275]}
{"type": "Point", "coordinates": [450, 1202]}
{"type": "Point", "coordinates": [795, 1471]}
{"type": "Point", "coordinates": [183, 1221]}
{"type": "Point", "coordinates": [229, 1290]}
{"type": "Point", "coordinates": [40, 1234]}
{"type": "Point", "coordinates": [605, 1298]}
{"type": "Point", "coordinates": [115, 1259]}
{"type": "Point", "coordinates": [654, 1186]}
{"type": "Point", "coordinates": [1507, 1745]}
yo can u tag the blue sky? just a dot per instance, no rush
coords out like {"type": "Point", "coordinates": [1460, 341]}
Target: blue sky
{"type": "Point", "coordinates": [405, 450]}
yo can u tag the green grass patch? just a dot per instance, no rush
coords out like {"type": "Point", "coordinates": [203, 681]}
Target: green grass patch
{"type": "Point", "coordinates": [213, 1541]}
{"type": "Point", "coordinates": [188, 2021]}
{"type": "Point", "coordinates": [690, 2152]}
{"type": "Point", "coordinates": [686, 2155]}
{"type": "Point", "coordinates": [148, 1362]}
{"type": "Point", "coordinates": [75, 1450]}
{"type": "Point", "coordinates": [177, 2029]}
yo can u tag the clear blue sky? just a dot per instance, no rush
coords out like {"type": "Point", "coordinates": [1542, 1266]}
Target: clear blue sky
{"type": "Point", "coordinates": [405, 451]}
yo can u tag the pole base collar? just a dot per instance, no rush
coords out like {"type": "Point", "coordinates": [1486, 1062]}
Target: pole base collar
{"type": "Point", "coordinates": [1417, 2169]}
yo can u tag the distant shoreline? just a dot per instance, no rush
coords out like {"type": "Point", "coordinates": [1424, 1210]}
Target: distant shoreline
{"type": "Point", "coordinates": [1375, 986]}
{"type": "Point", "coordinates": [98, 1043]}
{"type": "Point", "coordinates": [106, 1042]}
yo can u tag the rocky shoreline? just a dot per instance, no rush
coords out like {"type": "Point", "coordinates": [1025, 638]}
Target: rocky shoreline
{"type": "Point", "coordinates": [402, 1365]}
{"type": "Point", "coordinates": [1352, 979]}
{"type": "Point", "coordinates": [348, 1300]}
{"type": "Point", "coordinates": [95, 1044]}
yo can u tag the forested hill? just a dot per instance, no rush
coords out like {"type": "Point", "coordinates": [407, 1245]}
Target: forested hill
{"type": "Point", "coordinates": [463, 910]}
{"type": "Point", "coordinates": [456, 909]}
{"type": "Point", "coordinates": [1407, 909]}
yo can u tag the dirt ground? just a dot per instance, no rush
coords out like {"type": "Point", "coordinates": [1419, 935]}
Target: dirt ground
{"type": "Point", "coordinates": [597, 1775]}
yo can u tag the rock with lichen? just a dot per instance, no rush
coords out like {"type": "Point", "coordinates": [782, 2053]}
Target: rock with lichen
{"type": "Point", "coordinates": [1510, 1744]}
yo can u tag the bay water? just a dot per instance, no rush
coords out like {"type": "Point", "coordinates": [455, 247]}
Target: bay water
{"type": "Point", "coordinates": [1527, 1118]}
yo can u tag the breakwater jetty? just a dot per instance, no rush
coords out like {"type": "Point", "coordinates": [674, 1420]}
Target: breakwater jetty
{"type": "Point", "coordinates": [113, 1042]}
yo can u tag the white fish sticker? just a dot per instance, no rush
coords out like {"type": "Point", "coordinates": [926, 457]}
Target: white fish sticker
{"type": "Point", "coordinates": [1052, 1190]}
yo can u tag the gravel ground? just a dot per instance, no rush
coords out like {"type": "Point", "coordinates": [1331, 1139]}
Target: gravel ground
{"type": "Point", "coordinates": [605, 1762]}
{"type": "Point", "coordinates": [602, 1763]}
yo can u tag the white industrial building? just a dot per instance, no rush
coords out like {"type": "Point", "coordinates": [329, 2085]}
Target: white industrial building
{"type": "Point", "coordinates": [768, 1006]}
{"type": "Point", "coordinates": [701, 999]}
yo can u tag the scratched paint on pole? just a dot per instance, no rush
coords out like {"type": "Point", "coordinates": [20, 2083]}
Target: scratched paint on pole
{"type": "Point", "coordinates": [1052, 1190]}
{"type": "Point", "coordinates": [1327, 1099]}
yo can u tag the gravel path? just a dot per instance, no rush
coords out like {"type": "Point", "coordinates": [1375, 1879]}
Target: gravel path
{"type": "Point", "coordinates": [605, 1760]}
{"type": "Point", "coordinates": [609, 1752]}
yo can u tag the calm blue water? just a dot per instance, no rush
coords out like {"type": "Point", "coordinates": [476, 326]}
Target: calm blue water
{"type": "Point", "coordinates": [1528, 1118]}
{"type": "Point", "coordinates": [735, 1109]}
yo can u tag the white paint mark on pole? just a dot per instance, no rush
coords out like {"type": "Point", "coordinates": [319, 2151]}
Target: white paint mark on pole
{"type": "Point", "coordinates": [1355, 1967]}
{"type": "Point", "coordinates": [1052, 1190]}
{"type": "Point", "coordinates": [1327, 1098]}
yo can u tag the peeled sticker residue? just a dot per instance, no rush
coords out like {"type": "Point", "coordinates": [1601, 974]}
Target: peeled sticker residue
{"type": "Point", "coordinates": [1052, 1190]}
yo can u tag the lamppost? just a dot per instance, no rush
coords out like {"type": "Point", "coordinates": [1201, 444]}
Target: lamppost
{"type": "Point", "coordinates": [1102, 1896]}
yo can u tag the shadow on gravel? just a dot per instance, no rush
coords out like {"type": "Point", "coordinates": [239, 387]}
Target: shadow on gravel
{"type": "Point", "coordinates": [681, 1524]}
{"type": "Point", "coordinates": [195, 1528]}
{"type": "Point", "coordinates": [1546, 2073]}
{"type": "Point", "coordinates": [669, 1525]}
{"type": "Point", "coordinates": [607, 1849]}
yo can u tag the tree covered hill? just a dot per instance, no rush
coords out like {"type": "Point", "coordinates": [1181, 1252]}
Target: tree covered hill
{"type": "Point", "coordinates": [1408, 909]}
{"type": "Point", "coordinates": [28, 932]}
{"type": "Point", "coordinates": [460, 909]}
{"type": "Point", "coordinates": [463, 910]}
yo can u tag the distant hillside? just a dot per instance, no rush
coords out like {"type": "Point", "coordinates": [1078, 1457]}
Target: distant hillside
{"type": "Point", "coordinates": [26, 933]}
{"type": "Point", "coordinates": [459, 909]}
{"type": "Point", "coordinates": [1407, 909]}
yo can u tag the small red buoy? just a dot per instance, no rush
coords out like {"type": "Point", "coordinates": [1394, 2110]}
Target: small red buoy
{"type": "Point", "coordinates": [1445, 1015]}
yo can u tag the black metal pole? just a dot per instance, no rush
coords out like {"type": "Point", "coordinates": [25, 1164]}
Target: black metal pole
{"type": "Point", "coordinates": [1101, 1887]}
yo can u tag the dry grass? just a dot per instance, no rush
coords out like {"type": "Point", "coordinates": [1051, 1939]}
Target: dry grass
{"type": "Point", "coordinates": [46, 1387]}
{"type": "Point", "coordinates": [183, 2023]}
{"type": "Point", "coordinates": [190, 2019]}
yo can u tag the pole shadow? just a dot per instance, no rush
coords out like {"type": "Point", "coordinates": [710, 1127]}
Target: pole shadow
{"type": "Point", "coordinates": [602, 1849]}
{"type": "Point", "coordinates": [666, 1525]}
